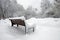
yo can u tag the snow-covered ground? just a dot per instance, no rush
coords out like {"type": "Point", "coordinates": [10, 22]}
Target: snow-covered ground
{"type": "Point", "coordinates": [46, 29]}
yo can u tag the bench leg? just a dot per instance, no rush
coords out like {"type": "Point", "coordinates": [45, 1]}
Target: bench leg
{"type": "Point", "coordinates": [12, 24]}
{"type": "Point", "coordinates": [33, 29]}
{"type": "Point", "coordinates": [25, 30]}
{"type": "Point", "coordinates": [17, 25]}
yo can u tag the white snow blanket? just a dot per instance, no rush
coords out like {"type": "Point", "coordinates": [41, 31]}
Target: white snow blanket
{"type": "Point", "coordinates": [46, 29]}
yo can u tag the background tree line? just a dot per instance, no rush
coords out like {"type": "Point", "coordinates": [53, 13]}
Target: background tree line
{"type": "Point", "coordinates": [10, 8]}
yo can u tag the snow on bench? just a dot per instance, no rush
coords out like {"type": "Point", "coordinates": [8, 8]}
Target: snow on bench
{"type": "Point", "coordinates": [30, 23]}
{"type": "Point", "coordinates": [22, 17]}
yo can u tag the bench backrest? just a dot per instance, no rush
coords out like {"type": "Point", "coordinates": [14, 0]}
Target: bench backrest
{"type": "Point", "coordinates": [17, 21]}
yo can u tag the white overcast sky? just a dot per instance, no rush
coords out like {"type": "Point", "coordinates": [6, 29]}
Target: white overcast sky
{"type": "Point", "coordinates": [26, 3]}
{"type": "Point", "coordinates": [33, 3]}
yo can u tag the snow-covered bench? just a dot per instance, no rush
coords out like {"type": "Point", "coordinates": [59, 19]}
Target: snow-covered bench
{"type": "Point", "coordinates": [28, 24]}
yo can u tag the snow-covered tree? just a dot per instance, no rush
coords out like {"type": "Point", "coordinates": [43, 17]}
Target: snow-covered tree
{"type": "Point", "coordinates": [46, 8]}
{"type": "Point", "coordinates": [8, 8]}
{"type": "Point", "coordinates": [30, 12]}
{"type": "Point", "coordinates": [45, 5]}
{"type": "Point", "coordinates": [56, 8]}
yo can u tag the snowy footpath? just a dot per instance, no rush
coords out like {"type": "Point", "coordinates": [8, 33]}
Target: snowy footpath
{"type": "Point", "coordinates": [46, 29]}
